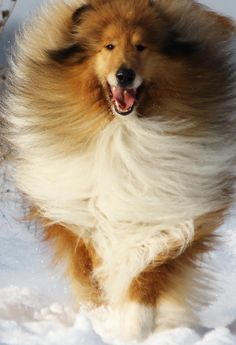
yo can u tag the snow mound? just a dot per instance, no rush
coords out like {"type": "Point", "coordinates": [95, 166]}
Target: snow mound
{"type": "Point", "coordinates": [24, 321]}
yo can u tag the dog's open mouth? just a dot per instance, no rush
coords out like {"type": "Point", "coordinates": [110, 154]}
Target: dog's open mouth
{"type": "Point", "coordinates": [124, 100]}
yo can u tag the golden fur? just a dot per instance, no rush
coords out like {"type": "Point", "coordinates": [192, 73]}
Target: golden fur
{"type": "Point", "coordinates": [133, 201]}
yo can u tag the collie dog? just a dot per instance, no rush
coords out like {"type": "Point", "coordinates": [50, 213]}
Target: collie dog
{"type": "Point", "coordinates": [121, 118]}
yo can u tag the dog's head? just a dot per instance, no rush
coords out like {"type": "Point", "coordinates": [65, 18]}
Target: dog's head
{"type": "Point", "coordinates": [138, 54]}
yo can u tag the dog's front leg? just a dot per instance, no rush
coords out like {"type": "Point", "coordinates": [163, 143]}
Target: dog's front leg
{"type": "Point", "coordinates": [130, 321]}
{"type": "Point", "coordinates": [170, 290]}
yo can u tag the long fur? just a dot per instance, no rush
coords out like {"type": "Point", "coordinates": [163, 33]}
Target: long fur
{"type": "Point", "coordinates": [143, 189]}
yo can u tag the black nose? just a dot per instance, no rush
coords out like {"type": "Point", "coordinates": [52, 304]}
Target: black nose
{"type": "Point", "coordinates": [125, 76]}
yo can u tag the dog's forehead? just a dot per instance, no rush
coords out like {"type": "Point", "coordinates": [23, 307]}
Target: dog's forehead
{"type": "Point", "coordinates": [125, 11]}
{"type": "Point", "coordinates": [127, 20]}
{"type": "Point", "coordinates": [131, 32]}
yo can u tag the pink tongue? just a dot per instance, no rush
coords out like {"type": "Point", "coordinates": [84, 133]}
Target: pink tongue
{"type": "Point", "coordinates": [124, 97]}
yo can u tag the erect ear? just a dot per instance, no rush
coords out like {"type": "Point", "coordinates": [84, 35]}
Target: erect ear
{"type": "Point", "coordinates": [177, 46]}
{"type": "Point", "coordinates": [151, 3]}
{"type": "Point", "coordinates": [73, 52]}
{"type": "Point", "coordinates": [77, 16]}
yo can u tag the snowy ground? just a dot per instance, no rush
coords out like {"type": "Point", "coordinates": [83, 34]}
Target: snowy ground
{"type": "Point", "coordinates": [36, 307]}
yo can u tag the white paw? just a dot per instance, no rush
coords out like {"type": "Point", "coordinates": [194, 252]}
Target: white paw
{"type": "Point", "coordinates": [134, 322]}
{"type": "Point", "coordinates": [130, 322]}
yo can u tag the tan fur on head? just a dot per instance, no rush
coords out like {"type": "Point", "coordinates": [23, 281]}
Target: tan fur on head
{"type": "Point", "coordinates": [135, 174]}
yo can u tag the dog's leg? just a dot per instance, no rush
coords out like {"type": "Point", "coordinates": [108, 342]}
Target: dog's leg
{"type": "Point", "coordinates": [132, 321]}
{"type": "Point", "coordinates": [173, 288]}
{"type": "Point", "coordinates": [80, 258]}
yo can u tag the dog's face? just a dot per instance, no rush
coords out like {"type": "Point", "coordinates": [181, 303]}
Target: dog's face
{"type": "Point", "coordinates": [123, 66]}
{"type": "Point", "coordinates": [133, 55]}
{"type": "Point", "coordinates": [128, 54]}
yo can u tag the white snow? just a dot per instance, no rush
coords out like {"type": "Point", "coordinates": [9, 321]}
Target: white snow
{"type": "Point", "coordinates": [36, 305]}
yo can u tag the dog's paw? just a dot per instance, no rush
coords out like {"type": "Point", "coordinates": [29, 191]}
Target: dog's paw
{"type": "Point", "coordinates": [134, 321]}
{"type": "Point", "coordinates": [130, 322]}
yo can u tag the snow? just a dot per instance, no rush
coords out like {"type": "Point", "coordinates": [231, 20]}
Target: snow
{"type": "Point", "coordinates": [36, 305]}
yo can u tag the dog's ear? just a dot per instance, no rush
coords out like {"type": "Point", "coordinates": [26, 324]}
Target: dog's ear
{"type": "Point", "coordinates": [69, 55]}
{"type": "Point", "coordinates": [73, 52]}
{"type": "Point", "coordinates": [176, 46]}
{"type": "Point", "coordinates": [77, 16]}
{"type": "Point", "coordinates": [191, 27]}
{"type": "Point", "coordinates": [175, 16]}
{"type": "Point", "coordinates": [151, 3]}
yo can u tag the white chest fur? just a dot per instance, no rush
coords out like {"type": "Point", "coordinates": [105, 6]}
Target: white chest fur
{"type": "Point", "coordinates": [134, 192]}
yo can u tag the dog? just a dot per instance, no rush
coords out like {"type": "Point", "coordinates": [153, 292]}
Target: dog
{"type": "Point", "coordinates": [120, 115]}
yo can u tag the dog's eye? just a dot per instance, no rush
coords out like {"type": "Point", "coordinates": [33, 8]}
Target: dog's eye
{"type": "Point", "coordinates": [110, 46]}
{"type": "Point", "coordinates": [140, 47]}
